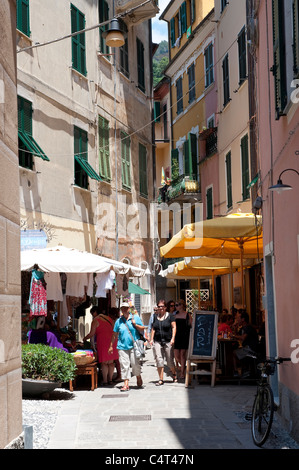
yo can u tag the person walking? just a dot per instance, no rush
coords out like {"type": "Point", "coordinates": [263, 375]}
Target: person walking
{"type": "Point", "coordinates": [102, 329]}
{"type": "Point", "coordinates": [162, 339]}
{"type": "Point", "coordinates": [183, 324]}
{"type": "Point", "coordinates": [126, 329]}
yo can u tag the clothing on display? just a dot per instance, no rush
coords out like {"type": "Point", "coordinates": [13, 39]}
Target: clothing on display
{"type": "Point", "coordinates": [54, 289]}
{"type": "Point", "coordinates": [104, 282]}
{"type": "Point", "coordinates": [38, 294]}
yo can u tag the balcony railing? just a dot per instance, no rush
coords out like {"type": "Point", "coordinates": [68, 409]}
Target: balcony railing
{"type": "Point", "coordinates": [182, 186]}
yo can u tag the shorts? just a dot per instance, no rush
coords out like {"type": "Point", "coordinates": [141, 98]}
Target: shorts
{"type": "Point", "coordinates": [127, 359]}
{"type": "Point", "coordinates": [161, 352]}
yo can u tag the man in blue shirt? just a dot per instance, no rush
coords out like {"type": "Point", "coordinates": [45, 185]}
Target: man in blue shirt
{"type": "Point", "coordinates": [126, 329]}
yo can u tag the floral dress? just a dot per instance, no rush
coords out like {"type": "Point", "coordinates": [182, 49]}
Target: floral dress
{"type": "Point", "coordinates": [38, 295]}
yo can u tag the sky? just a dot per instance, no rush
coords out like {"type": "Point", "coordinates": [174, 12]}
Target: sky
{"type": "Point", "coordinates": [159, 27]}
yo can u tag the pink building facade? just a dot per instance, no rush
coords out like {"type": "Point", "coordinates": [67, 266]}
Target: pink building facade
{"type": "Point", "coordinates": [278, 150]}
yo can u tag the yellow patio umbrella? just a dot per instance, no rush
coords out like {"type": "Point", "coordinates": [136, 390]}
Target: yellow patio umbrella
{"type": "Point", "coordinates": [233, 236]}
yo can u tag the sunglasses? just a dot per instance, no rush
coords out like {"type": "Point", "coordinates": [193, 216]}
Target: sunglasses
{"type": "Point", "coordinates": [161, 306]}
{"type": "Point", "coordinates": [177, 305]}
{"type": "Point", "coordinates": [171, 305]}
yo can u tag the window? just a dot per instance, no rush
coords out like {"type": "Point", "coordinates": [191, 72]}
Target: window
{"type": "Point", "coordinates": [82, 168]}
{"type": "Point", "coordinates": [27, 145]}
{"type": "Point", "coordinates": [279, 67]}
{"type": "Point", "coordinates": [142, 170]}
{"type": "Point", "coordinates": [157, 111]}
{"type": "Point", "coordinates": [78, 41]}
{"type": "Point", "coordinates": [223, 5]}
{"type": "Point", "coordinates": [23, 23]}
{"type": "Point", "coordinates": [192, 11]}
{"type": "Point", "coordinates": [124, 58]}
{"type": "Point", "coordinates": [103, 16]}
{"type": "Point", "coordinates": [140, 65]}
{"type": "Point", "coordinates": [245, 167]}
{"type": "Point", "coordinates": [190, 156]}
{"type": "Point", "coordinates": [228, 164]}
{"type": "Point", "coordinates": [172, 32]}
{"type": "Point", "coordinates": [125, 161]}
{"type": "Point", "coordinates": [104, 153]}
{"type": "Point", "coordinates": [209, 198]}
{"type": "Point", "coordinates": [296, 37]}
{"type": "Point", "coordinates": [225, 68]}
{"type": "Point", "coordinates": [209, 65]}
{"type": "Point", "coordinates": [183, 16]}
{"type": "Point", "coordinates": [191, 81]}
{"type": "Point", "coordinates": [242, 56]}
{"type": "Point", "coordinates": [179, 95]}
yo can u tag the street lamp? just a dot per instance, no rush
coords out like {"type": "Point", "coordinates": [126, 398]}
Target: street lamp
{"type": "Point", "coordinates": [279, 187]}
{"type": "Point", "coordinates": [114, 35]}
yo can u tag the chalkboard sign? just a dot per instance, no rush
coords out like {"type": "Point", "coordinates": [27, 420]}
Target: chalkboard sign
{"type": "Point", "coordinates": [203, 335]}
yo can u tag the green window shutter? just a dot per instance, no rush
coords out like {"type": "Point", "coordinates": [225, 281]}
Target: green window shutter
{"type": "Point", "coordinates": [157, 111]}
{"type": "Point", "coordinates": [191, 83]}
{"type": "Point", "coordinates": [23, 22]}
{"type": "Point", "coordinates": [245, 167]}
{"type": "Point", "coordinates": [183, 11]}
{"type": "Point", "coordinates": [209, 65]}
{"type": "Point", "coordinates": [242, 56]}
{"type": "Point", "coordinates": [78, 41]}
{"type": "Point", "coordinates": [142, 171]}
{"type": "Point", "coordinates": [179, 95]}
{"type": "Point", "coordinates": [226, 91]}
{"type": "Point", "coordinates": [80, 151]}
{"type": "Point", "coordinates": [124, 58]}
{"type": "Point", "coordinates": [104, 153]}
{"type": "Point", "coordinates": [140, 65]}
{"type": "Point", "coordinates": [190, 156]}
{"type": "Point", "coordinates": [279, 66]}
{"type": "Point", "coordinates": [103, 16]}
{"type": "Point", "coordinates": [209, 197]}
{"type": "Point", "coordinates": [296, 37]}
{"type": "Point", "coordinates": [174, 164]}
{"type": "Point", "coordinates": [125, 161]}
{"type": "Point", "coordinates": [228, 164]}
{"type": "Point", "coordinates": [172, 32]}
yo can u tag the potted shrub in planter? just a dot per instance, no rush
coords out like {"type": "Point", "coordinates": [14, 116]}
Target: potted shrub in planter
{"type": "Point", "coordinates": [45, 368]}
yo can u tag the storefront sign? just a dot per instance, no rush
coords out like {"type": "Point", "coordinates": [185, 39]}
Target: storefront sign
{"type": "Point", "coordinates": [33, 239]}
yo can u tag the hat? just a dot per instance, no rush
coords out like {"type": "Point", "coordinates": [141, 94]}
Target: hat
{"type": "Point", "coordinates": [124, 304]}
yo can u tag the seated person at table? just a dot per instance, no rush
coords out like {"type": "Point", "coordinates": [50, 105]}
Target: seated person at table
{"type": "Point", "coordinates": [248, 337]}
{"type": "Point", "coordinates": [41, 336]}
{"type": "Point", "coordinates": [223, 326]}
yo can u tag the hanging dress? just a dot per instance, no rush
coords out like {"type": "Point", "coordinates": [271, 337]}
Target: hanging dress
{"type": "Point", "coordinates": [38, 294]}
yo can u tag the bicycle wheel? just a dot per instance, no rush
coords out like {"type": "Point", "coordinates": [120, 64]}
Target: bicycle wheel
{"type": "Point", "coordinates": [262, 415]}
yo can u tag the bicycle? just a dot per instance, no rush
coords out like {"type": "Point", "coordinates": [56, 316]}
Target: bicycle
{"type": "Point", "coordinates": [263, 405]}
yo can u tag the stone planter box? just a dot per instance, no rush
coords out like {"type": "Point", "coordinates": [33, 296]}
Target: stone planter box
{"type": "Point", "coordinates": [32, 387]}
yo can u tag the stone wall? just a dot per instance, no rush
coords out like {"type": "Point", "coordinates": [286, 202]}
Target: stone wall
{"type": "Point", "coordinates": [10, 276]}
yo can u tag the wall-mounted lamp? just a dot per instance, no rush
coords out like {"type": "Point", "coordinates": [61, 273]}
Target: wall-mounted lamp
{"type": "Point", "coordinates": [147, 270]}
{"type": "Point", "coordinates": [279, 187]}
{"type": "Point", "coordinates": [114, 35]}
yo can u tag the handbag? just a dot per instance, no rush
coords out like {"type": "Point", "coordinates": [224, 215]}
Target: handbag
{"type": "Point", "coordinates": [137, 345]}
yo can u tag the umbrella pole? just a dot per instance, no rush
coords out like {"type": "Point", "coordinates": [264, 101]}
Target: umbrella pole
{"type": "Point", "coordinates": [213, 287]}
{"type": "Point", "coordinates": [242, 275]}
{"type": "Point", "coordinates": [199, 293]}
{"type": "Point", "coordinates": [231, 282]}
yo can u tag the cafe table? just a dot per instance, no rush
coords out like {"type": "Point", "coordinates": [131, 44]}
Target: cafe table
{"type": "Point", "coordinates": [225, 359]}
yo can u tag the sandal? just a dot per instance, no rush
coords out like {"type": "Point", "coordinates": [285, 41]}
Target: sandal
{"type": "Point", "coordinates": [175, 379]}
{"type": "Point", "coordinates": [125, 389]}
{"type": "Point", "coordinates": [161, 382]}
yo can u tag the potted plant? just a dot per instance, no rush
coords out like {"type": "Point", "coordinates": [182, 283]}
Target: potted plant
{"type": "Point", "coordinates": [45, 368]}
